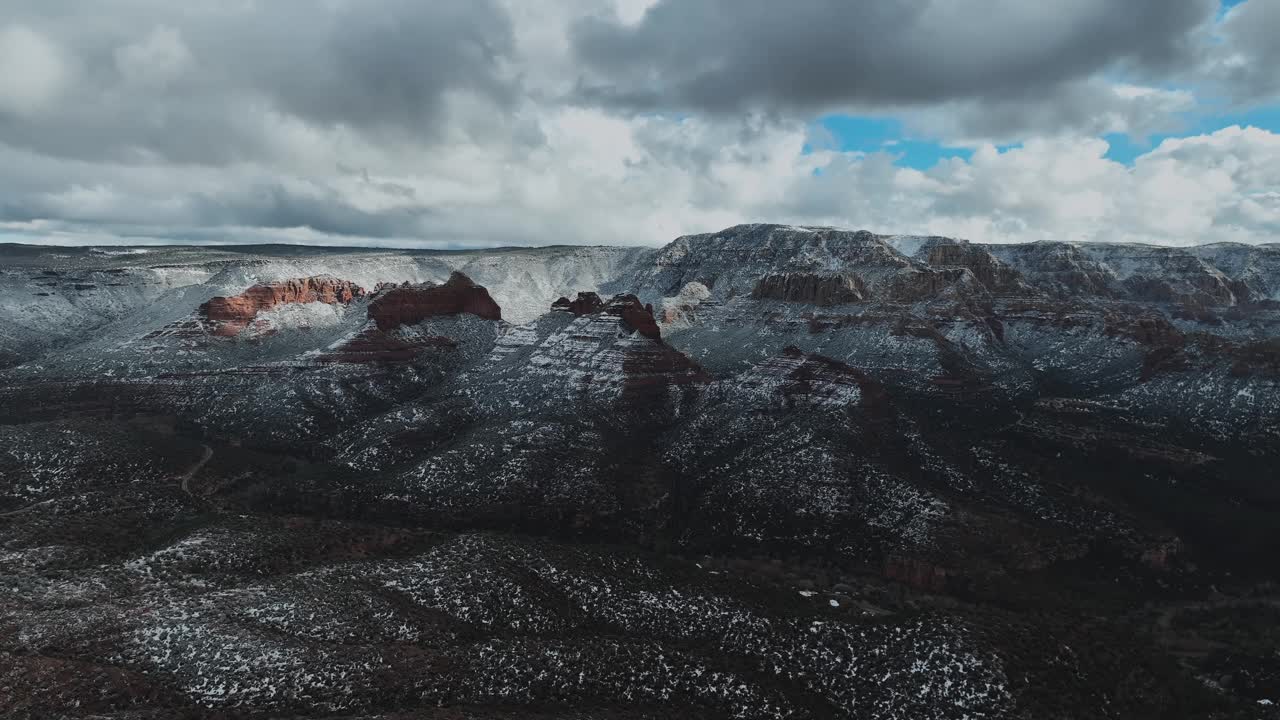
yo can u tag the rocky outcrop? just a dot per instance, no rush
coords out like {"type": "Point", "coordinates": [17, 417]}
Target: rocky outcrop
{"type": "Point", "coordinates": [634, 316]}
{"type": "Point", "coordinates": [585, 304]}
{"type": "Point", "coordinates": [682, 309]}
{"type": "Point", "coordinates": [411, 305]}
{"type": "Point", "coordinates": [820, 289]}
{"type": "Point", "coordinates": [613, 345]}
{"type": "Point", "coordinates": [228, 316]}
{"type": "Point", "coordinates": [1058, 269]}
{"type": "Point", "coordinates": [997, 277]}
{"type": "Point", "coordinates": [658, 366]}
{"type": "Point", "coordinates": [393, 335]}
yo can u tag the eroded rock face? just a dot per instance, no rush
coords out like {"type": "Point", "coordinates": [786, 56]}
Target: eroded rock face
{"type": "Point", "coordinates": [228, 316]}
{"type": "Point", "coordinates": [585, 304]}
{"type": "Point", "coordinates": [634, 315]}
{"type": "Point", "coordinates": [653, 364]}
{"type": "Point", "coordinates": [995, 276]}
{"type": "Point", "coordinates": [411, 305]}
{"type": "Point", "coordinates": [615, 344]}
{"type": "Point", "coordinates": [683, 307]}
{"type": "Point", "coordinates": [817, 288]}
{"type": "Point", "coordinates": [393, 334]}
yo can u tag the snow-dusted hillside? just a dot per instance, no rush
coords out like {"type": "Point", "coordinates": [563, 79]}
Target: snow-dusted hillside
{"type": "Point", "coordinates": [770, 472]}
{"type": "Point", "coordinates": [55, 297]}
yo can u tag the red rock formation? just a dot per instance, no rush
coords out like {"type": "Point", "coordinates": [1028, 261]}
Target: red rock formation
{"type": "Point", "coordinates": [390, 337]}
{"type": "Point", "coordinates": [651, 365]}
{"type": "Point", "coordinates": [623, 328]}
{"type": "Point", "coordinates": [587, 303]}
{"type": "Point", "coordinates": [411, 305]}
{"type": "Point", "coordinates": [635, 316]}
{"type": "Point", "coordinates": [627, 308]}
{"type": "Point", "coordinates": [230, 315]}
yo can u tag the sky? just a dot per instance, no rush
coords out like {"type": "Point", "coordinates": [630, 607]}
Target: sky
{"type": "Point", "coordinates": [479, 123]}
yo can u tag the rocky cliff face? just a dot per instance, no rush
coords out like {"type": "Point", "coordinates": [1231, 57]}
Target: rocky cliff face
{"type": "Point", "coordinates": [411, 305]}
{"type": "Point", "coordinates": [587, 303]}
{"type": "Point", "coordinates": [960, 318]}
{"type": "Point", "coordinates": [394, 332]}
{"type": "Point", "coordinates": [817, 289]}
{"type": "Point", "coordinates": [606, 348]}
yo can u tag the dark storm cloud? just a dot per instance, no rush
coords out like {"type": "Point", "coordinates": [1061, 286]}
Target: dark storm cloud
{"type": "Point", "coordinates": [376, 65]}
{"type": "Point", "coordinates": [123, 198]}
{"type": "Point", "coordinates": [734, 55]}
{"type": "Point", "coordinates": [326, 211]}
{"type": "Point", "coordinates": [161, 82]}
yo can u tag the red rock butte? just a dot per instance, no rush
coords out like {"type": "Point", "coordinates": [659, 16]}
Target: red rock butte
{"type": "Point", "coordinates": [231, 315]}
{"type": "Point", "coordinates": [627, 308]}
{"type": "Point", "coordinates": [587, 303]}
{"type": "Point", "coordinates": [411, 305]}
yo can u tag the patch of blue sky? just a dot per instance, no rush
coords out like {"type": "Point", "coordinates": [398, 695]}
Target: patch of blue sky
{"type": "Point", "coordinates": [876, 134]}
{"type": "Point", "coordinates": [1125, 149]}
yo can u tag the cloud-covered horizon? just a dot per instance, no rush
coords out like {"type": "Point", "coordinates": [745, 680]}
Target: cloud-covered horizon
{"type": "Point", "coordinates": [501, 122]}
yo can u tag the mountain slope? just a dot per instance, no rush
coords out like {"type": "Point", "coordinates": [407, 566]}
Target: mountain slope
{"type": "Point", "coordinates": [767, 472]}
